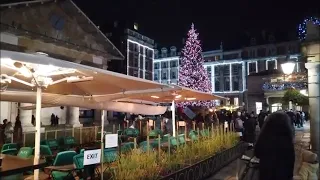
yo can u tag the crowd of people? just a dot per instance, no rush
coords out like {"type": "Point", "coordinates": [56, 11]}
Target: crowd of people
{"type": "Point", "coordinates": [9, 132]}
{"type": "Point", "coordinates": [54, 119]}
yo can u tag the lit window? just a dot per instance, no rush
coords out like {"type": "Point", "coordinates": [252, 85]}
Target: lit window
{"type": "Point", "coordinates": [252, 67]}
{"type": "Point", "coordinates": [236, 101]}
{"type": "Point", "coordinates": [271, 64]}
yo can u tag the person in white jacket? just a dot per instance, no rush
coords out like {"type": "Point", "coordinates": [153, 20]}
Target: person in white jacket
{"type": "Point", "coordinates": [8, 131]}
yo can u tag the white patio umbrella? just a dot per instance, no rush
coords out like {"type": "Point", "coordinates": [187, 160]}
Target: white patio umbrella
{"type": "Point", "coordinates": [29, 72]}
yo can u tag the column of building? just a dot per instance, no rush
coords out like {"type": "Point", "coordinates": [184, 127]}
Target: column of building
{"type": "Point", "coordinates": [73, 114]}
{"type": "Point", "coordinates": [314, 103]}
{"type": "Point", "coordinates": [25, 118]}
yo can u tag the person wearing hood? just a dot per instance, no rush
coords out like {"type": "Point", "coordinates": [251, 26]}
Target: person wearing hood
{"type": "Point", "coordinates": [275, 148]}
{"type": "Point", "coordinates": [250, 130]}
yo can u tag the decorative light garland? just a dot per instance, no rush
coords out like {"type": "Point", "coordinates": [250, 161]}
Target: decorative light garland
{"type": "Point", "coordinates": [302, 29]}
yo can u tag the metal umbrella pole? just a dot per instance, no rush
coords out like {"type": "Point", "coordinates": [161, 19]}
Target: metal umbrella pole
{"type": "Point", "coordinates": [101, 139]}
{"type": "Point", "coordinates": [37, 133]}
{"type": "Point", "coordinates": [173, 111]}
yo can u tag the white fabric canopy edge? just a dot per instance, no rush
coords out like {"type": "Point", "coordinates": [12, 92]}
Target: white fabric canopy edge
{"type": "Point", "coordinates": [78, 101]}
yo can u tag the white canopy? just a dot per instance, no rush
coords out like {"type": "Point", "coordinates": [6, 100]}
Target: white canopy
{"type": "Point", "coordinates": [83, 80]}
{"type": "Point", "coordinates": [79, 101]}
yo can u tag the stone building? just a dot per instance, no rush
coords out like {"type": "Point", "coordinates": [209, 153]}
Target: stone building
{"type": "Point", "coordinates": [57, 29]}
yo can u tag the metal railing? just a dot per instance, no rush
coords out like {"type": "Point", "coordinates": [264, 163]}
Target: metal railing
{"type": "Point", "coordinates": [82, 135]}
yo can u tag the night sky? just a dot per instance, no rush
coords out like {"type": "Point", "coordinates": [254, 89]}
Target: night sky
{"type": "Point", "coordinates": [231, 21]}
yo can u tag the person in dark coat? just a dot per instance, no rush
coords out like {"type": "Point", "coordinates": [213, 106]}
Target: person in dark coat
{"type": "Point", "coordinates": [33, 120]}
{"type": "Point", "coordinates": [52, 119]}
{"type": "Point", "coordinates": [56, 120]}
{"type": "Point", "coordinates": [261, 117]}
{"type": "Point", "coordinates": [250, 130]}
{"type": "Point", "coordinates": [275, 148]}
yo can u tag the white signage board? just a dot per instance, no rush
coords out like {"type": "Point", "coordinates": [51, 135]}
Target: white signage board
{"type": "Point", "coordinates": [92, 157]}
{"type": "Point", "coordinates": [189, 113]}
{"type": "Point", "coordinates": [111, 140]}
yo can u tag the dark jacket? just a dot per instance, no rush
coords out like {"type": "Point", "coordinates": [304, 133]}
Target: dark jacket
{"type": "Point", "coordinates": [261, 117]}
{"type": "Point", "coordinates": [250, 129]}
{"type": "Point", "coordinates": [275, 148]}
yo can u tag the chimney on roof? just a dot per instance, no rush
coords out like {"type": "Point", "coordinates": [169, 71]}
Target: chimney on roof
{"type": "Point", "coordinates": [253, 42]}
{"type": "Point", "coordinates": [135, 26]}
{"type": "Point", "coordinates": [221, 45]}
{"type": "Point", "coordinates": [115, 24]}
{"type": "Point", "coordinates": [271, 38]}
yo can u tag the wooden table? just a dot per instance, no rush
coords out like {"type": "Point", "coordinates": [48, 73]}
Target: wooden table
{"type": "Point", "coordinates": [70, 169]}
{"type": "Point", "coordinates": [13, 165]}
{"type": "Point", "coordinates": [64, 168]}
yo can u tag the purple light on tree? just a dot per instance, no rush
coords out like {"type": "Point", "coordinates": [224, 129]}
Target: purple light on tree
{"type": "Point", "coordinates": [192, 73]}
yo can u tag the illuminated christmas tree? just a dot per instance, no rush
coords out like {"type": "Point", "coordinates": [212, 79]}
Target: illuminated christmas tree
{"type": "Point", "coordinates": [192, 73]}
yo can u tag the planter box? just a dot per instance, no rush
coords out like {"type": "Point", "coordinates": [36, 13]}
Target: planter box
{"type": "Point", "coordinates": [209, 166]}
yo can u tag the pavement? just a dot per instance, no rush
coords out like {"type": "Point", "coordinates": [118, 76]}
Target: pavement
{"type": "Point", "coordinates": [230, 171]}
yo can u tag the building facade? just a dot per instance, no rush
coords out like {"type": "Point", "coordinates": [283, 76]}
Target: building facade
{"type": "Point", "coordinates": [137, 48]}
{"type": "Point", "coordinates": [58, 29]}
{"type": "Point", "coordinates": [229, 71]}
{"type": "Point", "coordinates": [166, 66]}
{"type": "Point", "coordinates": [265, 81]}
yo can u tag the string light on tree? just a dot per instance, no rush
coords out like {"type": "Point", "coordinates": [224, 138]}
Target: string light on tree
{"type": "Point", "coordinates": [302, 29]}
{"type": "Point", "coordinates": [192, 73]}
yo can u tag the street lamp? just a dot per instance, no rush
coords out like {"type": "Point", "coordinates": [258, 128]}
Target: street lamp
{"type": "Point", "coordinates": [288, 66]}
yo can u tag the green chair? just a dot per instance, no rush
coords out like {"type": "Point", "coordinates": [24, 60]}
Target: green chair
{"type": "Point", "coordinates": [165, 138]}
{"type": "Point", "coordinates": [155, 142]}
{"type": "Point", "coordinates": [129, 144]}
{"type": "Point", "coordinates": [204, 133]}
{"type": "Point", "coordinates": [45, 150]}
{"type": "Point", "coordinates": [153, 133]}
{"type": "Point", "coordinates": [181, 139]}
{"type": "Point", "coordinates": [144, 146]}
{"type": "Point", "coordinates": [9, 146]}
{"type": "Point", "coordinates": [25, 152]}
{"type": "Point", "coordinates": [52, 143]}
{"type": "Point", "coordinates": [70, 141]}
{"type": "Point", "coordinates": [82, 151]}
{"type": "Point", "coordinates": [173, 142]}
{"type": "Point", "coordinates": [193, 136]}
{"type": "Point", "coordinates": [126, 147]}
{"type": "Point", "coordinates": [110, 155]}
{"type": "Point", "coordinates": [63, 158]}
{"type": "Point", "coordinates": [131, 132]}
{"type": "Point", "coordinates": [10, 151]}
{"type": "Point", "coordinates": [78, 161]}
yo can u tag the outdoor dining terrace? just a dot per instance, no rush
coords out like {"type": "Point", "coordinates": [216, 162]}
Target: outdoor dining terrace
{"type": "Point", "coordinates": [48, 82]}
{"type": "Point", "coordinates": [154, 156]}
